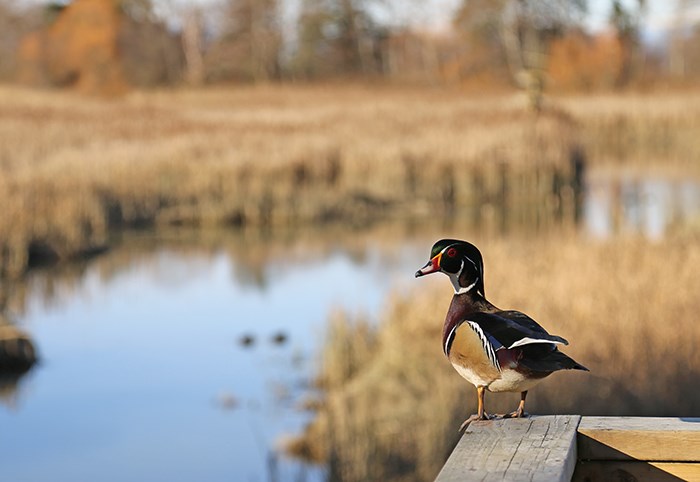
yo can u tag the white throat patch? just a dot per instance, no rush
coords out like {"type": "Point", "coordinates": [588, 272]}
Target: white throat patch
{"type": "Point", "coordinates": [454, 278]}
{"type": "Point", "coordinates": [459, 290]}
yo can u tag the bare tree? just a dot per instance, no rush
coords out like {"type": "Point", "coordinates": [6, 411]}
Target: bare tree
{"type": "Point", "coordinates": [250, 42]}
{"type": "Point", "coordinates": [683, 36]}
{"type": "Point", "coordinates": [626, 22]}
{"type": "Point", "coordinates": [313, 44]}
{"type": "Point", "coordinates": [692, 53]}
{"type": "Point", "coordinates": [512, 37]}
{"type": "Point", "coordinates": [353, 36]}
{"type": "Point", "coordinates": [527, 28]}
{"type": "Point", "coordinates": [192, 37]}
{"type": "Point", "coordinates": [482, 49]}
{"type": "Point", "coordinates": [339, 37]}
{"type": "Point", "coordinates": [150, 51]}
{"type": "Point", "coordinates": [15, 24]}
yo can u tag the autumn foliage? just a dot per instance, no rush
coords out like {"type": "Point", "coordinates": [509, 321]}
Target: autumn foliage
{"type": "Point", "coordinates": [106, 46]}
{"type": "Point", "coordinates": [78, 49]}
{"type": "Point", "coordinates": [583, 63]}
{"type": "Point", "coordinates": [95, 46]}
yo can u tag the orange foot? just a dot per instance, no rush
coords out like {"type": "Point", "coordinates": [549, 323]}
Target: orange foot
{"type": "Point", "coordinates": [474, 418]}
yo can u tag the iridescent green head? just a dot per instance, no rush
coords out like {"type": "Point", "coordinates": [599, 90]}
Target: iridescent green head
{"type": "Point", "coordinates": [459, 260]}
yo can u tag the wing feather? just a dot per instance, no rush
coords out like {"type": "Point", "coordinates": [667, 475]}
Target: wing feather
{"type": "Point", "coordinates": [512, 329]}
{"type": "Point", "coordinates": [486, 343]}
{"type": "Point", "coordinates": [530, 341]}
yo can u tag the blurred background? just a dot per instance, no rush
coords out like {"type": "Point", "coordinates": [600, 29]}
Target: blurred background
{"type": "Point", "coordinates": [211, 212]}
{"type": "Point", "coordinates": [582, 45]}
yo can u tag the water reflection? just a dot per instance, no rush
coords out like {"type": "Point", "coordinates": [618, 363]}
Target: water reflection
{"type": "Point", "coordinates": [12, 384]}
{"type": "Point", "coordinates": [17, 358]}
{"type": "Point", "coordinates": [632, 204]}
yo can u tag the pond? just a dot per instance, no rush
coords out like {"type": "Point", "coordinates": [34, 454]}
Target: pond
{"type": "Point", "coordinates": [185, 355]}
{"type": "Point", "coordinates": [163, 362]}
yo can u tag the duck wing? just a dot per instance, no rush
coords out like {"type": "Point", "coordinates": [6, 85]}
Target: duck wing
{"type": "Point", "coordinates": [509, 333]}
{"type": "Point", "coordinates": [511, 329]}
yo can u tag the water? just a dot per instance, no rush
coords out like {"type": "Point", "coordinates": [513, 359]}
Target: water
{"type": "Point", "coordinates": [144, 375]}
{"type": "Point", "coordinates": [637, 205]}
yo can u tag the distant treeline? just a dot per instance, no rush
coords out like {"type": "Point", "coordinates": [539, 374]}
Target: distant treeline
{"type": "Point", "coordinates": [112, 44]}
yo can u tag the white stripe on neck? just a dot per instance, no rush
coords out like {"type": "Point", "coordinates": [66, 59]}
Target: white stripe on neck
{"type": "Point", "coordinates": [460, 290]}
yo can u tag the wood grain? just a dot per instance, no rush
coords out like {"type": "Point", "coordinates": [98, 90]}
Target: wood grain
{"type": "Point", "coordinates": [641, 438]}
{"type": "Point", "coordinates": [632, 471]}
{"type": "Point", "coordinates": [535, 448]}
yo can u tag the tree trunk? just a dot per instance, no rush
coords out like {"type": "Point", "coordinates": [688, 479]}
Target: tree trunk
{"type": "Point", "coordinates": [192, 47]}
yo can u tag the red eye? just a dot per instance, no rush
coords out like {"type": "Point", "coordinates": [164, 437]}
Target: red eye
{"type": "Point", "coordinates": [452, 252]}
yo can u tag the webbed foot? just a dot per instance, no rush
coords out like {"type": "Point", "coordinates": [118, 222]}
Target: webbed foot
{"type": "Point", "coordinates": [520, 412]}
{"type": "Point", "coordinates": [516, 414]}
{"type": "Point", "coordinates": [475, 418]}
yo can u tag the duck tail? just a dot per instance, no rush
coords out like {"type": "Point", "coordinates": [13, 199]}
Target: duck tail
{"type": "Point", "coordinates": [551, 361]}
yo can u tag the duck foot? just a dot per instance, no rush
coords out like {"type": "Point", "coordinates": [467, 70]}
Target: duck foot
{"type": "Point", "coordinates": [516, 414]}
{"type": "Point", "coordinates": [520, 412]}
{"type": "Point", "coordinates": [475, 418]}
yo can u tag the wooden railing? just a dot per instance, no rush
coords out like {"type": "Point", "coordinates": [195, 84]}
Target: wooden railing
{"type": "Point", "coordinates": [571, 447]}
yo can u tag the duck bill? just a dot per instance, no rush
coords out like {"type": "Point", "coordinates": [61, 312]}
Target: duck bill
{"type": "Point", "coordinates": [431, 266]}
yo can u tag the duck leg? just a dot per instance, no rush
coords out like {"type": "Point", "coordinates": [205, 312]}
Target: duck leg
{"type": "Point", "coordinates": [481, 414]}
{"type": "Point", "coordinates": [520, 412]}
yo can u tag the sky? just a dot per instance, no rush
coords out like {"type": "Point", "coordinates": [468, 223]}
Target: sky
{"type": "Point", "coordinates": [436, 14]}
{"type": "Point", "coordinates": [661, 14]}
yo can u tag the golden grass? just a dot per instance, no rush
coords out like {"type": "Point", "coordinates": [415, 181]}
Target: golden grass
{"type": "Point", "coordinates": [73, 168]}
{"type": "Point", "coordinates": [628, 307]}
{"type": "Point", "coordinates": [652, 130]}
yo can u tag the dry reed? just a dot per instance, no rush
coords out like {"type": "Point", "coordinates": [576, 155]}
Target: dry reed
{"type": "Point", "coordinates": [655, 131]}
{"type": "Point", "coordinates": [72, 168]}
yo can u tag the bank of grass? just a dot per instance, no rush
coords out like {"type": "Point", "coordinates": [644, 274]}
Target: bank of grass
{"type": "Point", "coordinates": [73, 168]}
{"type": "Point", "coordinates": [391, 403]}
{"type": "Point", "coordinates": [650, 131]}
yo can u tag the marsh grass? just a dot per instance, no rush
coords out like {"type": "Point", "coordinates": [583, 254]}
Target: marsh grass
{"type": "Point", "coordinates": [652, 131]}
{"type": "Point", "coordinates": [73, 169]}
{"type": "Point", "coordinates": [628, 307]}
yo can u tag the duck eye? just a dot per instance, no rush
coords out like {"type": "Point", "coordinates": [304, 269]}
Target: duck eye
{"type": "Point", "coordinates": [452, 252]}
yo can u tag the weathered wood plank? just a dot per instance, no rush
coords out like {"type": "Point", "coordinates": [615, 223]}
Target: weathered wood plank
{"type": "Point", "coordinates": [535, 448]}
{"type": "Point", "coordinates": [641, 438]}
{"type": "Point", "coordinates": [629, 471]}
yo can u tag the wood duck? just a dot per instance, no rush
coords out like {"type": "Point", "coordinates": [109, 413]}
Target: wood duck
{"type": "Point", "coordinates": [495, 350]}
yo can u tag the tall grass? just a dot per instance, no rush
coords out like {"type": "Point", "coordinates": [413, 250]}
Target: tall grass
{"type": "Point", "coordinates": [72, 168]}
{"type": "Point", "coordinates": [629, 309]}
{"type": "Point", "coordinates": [652, 130]}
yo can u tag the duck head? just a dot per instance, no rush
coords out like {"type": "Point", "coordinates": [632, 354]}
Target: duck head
{"type": "Point", "coordinates": [460, 261]}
